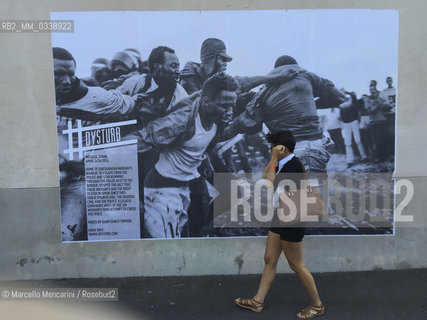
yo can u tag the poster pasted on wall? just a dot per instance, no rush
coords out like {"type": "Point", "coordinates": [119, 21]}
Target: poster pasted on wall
{"type": "Point", "coordinates": [153, 107]}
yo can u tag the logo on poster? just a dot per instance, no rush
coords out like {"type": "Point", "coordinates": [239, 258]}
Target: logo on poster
{"type": "Point", "coordinates": [102, 136]}
{"type": "Point", "coordinates": [96, 137]}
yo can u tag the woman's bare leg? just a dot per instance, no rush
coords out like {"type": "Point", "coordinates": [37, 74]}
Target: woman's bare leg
{"type": "Point", "coordinates": [273, 250]}
{"type": "Point", "coordinates": [293, 253]}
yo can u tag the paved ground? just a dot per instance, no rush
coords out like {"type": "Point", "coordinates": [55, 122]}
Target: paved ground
{"type": "Point", "coordinates": [352, 295]}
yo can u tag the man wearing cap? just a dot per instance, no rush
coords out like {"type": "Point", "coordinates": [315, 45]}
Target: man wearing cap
{"type": "Point", "coordinates": [214, 59]}
{"type": "Point", "coordinates": [100, 72]}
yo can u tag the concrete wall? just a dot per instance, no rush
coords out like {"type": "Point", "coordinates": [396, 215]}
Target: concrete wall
{"type": "Point", "coordinates": [30, 246]}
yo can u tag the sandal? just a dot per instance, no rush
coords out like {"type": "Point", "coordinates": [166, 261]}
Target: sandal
{"type": "Point", "coordinates": [311, 311]}
{"type": "Point", "coordinates": [250, 303]}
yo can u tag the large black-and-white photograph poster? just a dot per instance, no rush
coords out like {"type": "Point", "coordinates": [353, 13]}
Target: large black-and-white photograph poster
{"type": "Point", "coordinates": [161, 115]}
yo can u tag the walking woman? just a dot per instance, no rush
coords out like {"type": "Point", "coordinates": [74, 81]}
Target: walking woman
{"type": "Point", "coordinates": [287, 239]}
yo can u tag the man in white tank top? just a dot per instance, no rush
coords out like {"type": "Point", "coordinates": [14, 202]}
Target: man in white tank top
{"type": "Point", "coordinates": [166, 189]}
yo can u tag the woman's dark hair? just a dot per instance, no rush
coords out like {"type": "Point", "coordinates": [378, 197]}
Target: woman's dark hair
{"type": "Point", "coordinates": [283, 137]}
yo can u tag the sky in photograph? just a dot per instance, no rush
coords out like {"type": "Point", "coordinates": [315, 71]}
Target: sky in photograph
{"type": "Point", "coordinates": [349, 47]}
